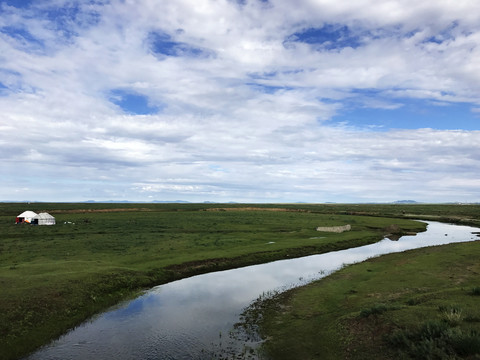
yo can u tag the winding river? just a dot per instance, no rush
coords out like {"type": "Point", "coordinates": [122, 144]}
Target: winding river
{"type": "Point", "coordinates": [192, 318]}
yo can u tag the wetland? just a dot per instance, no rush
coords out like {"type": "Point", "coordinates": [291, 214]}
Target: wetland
{"type": "Point", "coordinates": [101, 254]}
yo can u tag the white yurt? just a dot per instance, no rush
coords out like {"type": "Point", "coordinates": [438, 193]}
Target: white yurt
{"type": "Point", "coordinates": [26, 216]}
{"type": "Point", "coordinates": [43, 219]}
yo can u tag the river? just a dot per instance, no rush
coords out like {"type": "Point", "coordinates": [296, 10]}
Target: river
{"type": "Point", "coordinates": [193, 318]}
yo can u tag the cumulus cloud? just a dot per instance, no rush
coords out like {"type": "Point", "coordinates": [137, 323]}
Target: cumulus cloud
{"type": "Point", "coordinates": [226, 100]}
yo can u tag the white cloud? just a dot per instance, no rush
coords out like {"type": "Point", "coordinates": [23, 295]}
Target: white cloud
{"type": "Point", "coordinates": [255, 104]}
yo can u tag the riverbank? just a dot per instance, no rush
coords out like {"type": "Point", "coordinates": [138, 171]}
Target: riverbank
{"type": "Point", "coordinates": [55, 277]}
{"type": "Point", "coordinates": [415, 305]}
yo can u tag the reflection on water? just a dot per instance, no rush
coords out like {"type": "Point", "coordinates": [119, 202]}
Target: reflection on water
{"type": "Point", "coordinates": [189, 318]}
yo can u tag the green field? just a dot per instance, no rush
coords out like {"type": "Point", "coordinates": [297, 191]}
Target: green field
{"type": "Point", "coordinates": [419, 304]}
{"type": "Point", "coordinates": [54, 277]}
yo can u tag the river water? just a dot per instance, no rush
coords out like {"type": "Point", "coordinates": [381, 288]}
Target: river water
{"type": "Point", "coordinates": [192, 318]}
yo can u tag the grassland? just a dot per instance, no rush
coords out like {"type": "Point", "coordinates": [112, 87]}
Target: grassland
{"type": "Point", "coordinates": [54, 277]}
{"type": "Point", "coordinates": [420, 304]}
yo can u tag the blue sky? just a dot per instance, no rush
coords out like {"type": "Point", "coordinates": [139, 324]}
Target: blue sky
{"type": "Point", "coordinates": [412, 114]}
{"type": "Point", "coordinates": [248, 101]}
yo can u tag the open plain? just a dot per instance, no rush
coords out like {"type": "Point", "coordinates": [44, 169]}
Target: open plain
{"type": "Point", "coordinates": [55, 277]}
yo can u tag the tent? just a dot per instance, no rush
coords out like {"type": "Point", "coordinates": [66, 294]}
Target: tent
{"type": "Point", "coordinates": [43, 219]}
{"type": "Point", "coordinates": [26, 217]}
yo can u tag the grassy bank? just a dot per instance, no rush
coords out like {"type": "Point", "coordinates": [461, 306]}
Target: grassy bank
{"type": "Point", "coordinates": [421, 304]}
{"type": "Point", "coordinates": [54, 277]}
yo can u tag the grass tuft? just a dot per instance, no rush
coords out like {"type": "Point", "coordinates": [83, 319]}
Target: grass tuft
{"type": "Point", "coordinates": [452, 315]}
{"type": "Point", "coordinates": [376, 309]}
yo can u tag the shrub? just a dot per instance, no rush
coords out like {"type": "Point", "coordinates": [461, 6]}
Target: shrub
{"type": "Point", "coordinates": [413, 301]}
{"type": "Point", "coordinates": [432, 330]}
{"type": "Point", "coordinates": [435, 340]}
{"type": "Point", "coordinates": [427, 342]}
{"type": "Point", "coordinates": [467, 344]}
{"type": "Point", "coordinates": [475, 291]}
{"type": "Point", "coordinates": [376, 309]}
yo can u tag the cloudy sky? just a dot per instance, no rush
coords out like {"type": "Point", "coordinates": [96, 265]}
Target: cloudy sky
{"type": "Point", "coordinates": [247, 100]}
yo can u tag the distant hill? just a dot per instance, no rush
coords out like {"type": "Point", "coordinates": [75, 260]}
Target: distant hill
{"type": "Point", "coordinates": [137, 202]}
{"type": "Point", "coordinates": [405, 202]}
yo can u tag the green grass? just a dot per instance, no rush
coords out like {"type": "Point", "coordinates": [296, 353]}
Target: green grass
{"type": "Point", "coordinates": [421, 304]}
{"type": "Point", "coordinates": [54, 277]}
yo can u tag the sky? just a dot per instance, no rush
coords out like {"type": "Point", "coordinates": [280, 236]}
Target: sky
{"type": "Point", "coordinates": [240, 100]}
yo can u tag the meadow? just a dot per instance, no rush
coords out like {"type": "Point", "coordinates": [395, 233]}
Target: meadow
{"type": "Point", "coordinates": [55, 277]}
{"type": "Point", "coordinates": [418, 304]}
{"type": "Point", "coordinates": [421, 304]}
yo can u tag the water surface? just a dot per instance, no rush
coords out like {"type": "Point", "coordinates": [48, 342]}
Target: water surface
{"type": "Point", "coordinates": [192, 318]}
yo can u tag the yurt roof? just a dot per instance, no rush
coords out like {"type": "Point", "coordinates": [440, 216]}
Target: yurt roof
{"type": "Point", "coordinates": [43, 215]}
{"type": "Point", "coordinates": [27, 214]}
